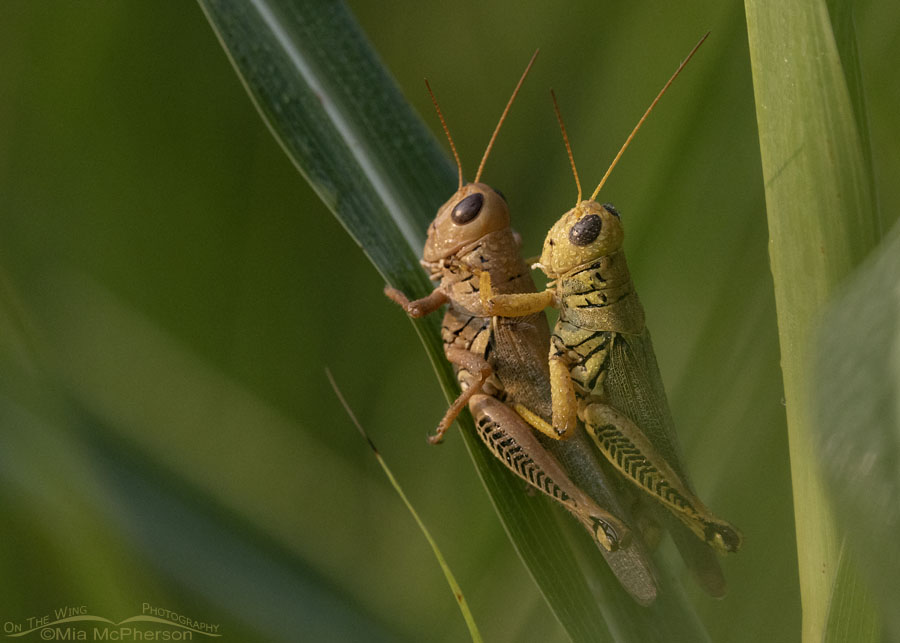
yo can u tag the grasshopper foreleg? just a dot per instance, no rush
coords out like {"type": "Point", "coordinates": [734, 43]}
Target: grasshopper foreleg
{"type": "Point", "coordinates": [463, 359]}
{"type": "Point", "coordinates": [515, 304]}
{"type": "Point", "coordinates": [629, 450]}
{"type": "Point", "coordinates": [419, 307]}
{"type": "Point", "coordinates": [479, 369]}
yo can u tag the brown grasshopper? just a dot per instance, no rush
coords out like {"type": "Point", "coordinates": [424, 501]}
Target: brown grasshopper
{"type": "Point", "coordinates": [602, 365]}
{"type": "Point", "coordinates": [494, 359]}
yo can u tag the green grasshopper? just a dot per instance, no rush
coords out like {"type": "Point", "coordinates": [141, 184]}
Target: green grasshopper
{"type": "Point", "coordinates": [471, 235]}
{"type": "Point", "coordinates": [602, 366]}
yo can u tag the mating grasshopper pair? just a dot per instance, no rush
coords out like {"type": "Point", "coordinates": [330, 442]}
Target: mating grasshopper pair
{"type": "Point", "coordinates": [497, 359]}
{"type": "Point", "coordinates": [601, 368]}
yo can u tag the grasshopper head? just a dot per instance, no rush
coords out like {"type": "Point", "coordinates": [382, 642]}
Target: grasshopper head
{"type": "Point", "coordinates": [474, 211]}
{"type": "Point", "coordinates": [583, 234]}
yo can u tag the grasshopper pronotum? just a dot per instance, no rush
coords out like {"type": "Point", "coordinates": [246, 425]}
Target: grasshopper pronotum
{"type": "Point", "coordinates": [471, 234]}
{"type": "Point", "coordinates": [602, 365]}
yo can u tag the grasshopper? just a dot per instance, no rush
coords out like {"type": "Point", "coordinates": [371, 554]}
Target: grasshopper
{"type": "Point", "coordinates": [602, 366]}
{"type": "Point", "coordinates": [471, 235]}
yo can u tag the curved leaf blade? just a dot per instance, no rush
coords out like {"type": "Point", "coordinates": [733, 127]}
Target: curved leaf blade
{"type": "Point", "coordinates": [822, 221]}
{"type": "Point", "coordinates": [858, 418]}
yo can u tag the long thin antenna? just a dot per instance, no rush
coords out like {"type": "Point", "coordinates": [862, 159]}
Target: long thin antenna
{"type": "Point", "coordinates": [565, 136]}
{"type": "Point", "coordinates": [447, 132]}
{"type": "Point", "coordinates": [503, 116]}
{"type": "Point", "coordinates": [643, 118]}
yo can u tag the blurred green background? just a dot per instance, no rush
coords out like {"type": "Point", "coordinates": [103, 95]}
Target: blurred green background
{"type": "Point", "coordinates": [171, 292]}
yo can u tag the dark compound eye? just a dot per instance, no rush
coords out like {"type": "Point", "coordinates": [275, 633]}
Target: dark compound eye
{"type": "Point", "coordinates": [586, 230]}
{"type": "Point", "coordinates": [467, 209]}
{"type": "Point", "coordinates": [501, 194]}
{"type": "Point", "coordinates": [609, 208]}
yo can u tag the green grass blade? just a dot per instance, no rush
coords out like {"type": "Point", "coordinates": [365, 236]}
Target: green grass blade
{"type": "Point", "coordinates": [366, 154]}
{"type": "Point", "coordinates": [844, 25]}
{"type": "Point", "coordinates": [344, 124]}
{"type": "Point", "coordinates": [856, 394]}
{"type": "Point", "coordinates": [853, 617]}
{"type": "Point", "coordinates": [448, 573]}
{"type": "Point", "coordinates": [822, 222]}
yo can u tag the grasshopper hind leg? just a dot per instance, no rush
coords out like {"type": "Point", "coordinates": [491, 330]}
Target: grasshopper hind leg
{"type": "Point", "coordinates": [629, 451]}
{"type": "Point", "coordinates": [512, 441]}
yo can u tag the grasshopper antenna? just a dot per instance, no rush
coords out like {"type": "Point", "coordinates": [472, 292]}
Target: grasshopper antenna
{"type": "Point", "coordinates": [503, 116]}
{"type": "Point", "coordinates": [447, 132]}
{"type": "Point", "coordinates": [565, 136]}
{"type": "Point", "coordinates": [647, 113]}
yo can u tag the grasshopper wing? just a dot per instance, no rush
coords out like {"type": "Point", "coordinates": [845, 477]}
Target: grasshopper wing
{"type": "Point", "coordinates": [634, 385]}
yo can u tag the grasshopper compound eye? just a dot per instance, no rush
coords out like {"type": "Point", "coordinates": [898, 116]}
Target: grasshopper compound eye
{"type": "Point", "coordinates": [467, 209]}
{"type": "Point", "coordinates": [609, 208]}
{"type": "Point", "coordinates": [586, 230]}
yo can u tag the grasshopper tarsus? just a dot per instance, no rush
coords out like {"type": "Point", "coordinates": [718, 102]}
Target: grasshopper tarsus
{"type": "Point", "coordinates": [420, 307]}
{"type": "Point", "coordinates": [399, 298]}
{"type": "Point", "coordinates": [724, 537]}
